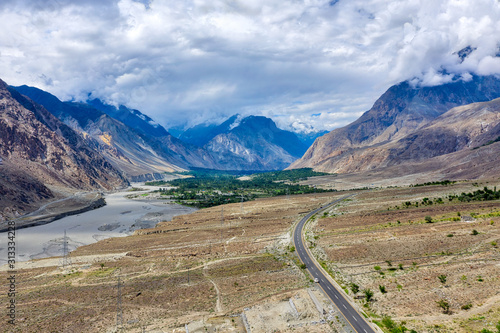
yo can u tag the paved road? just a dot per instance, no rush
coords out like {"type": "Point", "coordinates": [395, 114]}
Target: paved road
{"type": "Point", "coordinates": [355, 319]}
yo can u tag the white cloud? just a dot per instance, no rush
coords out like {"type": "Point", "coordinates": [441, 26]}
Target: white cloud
{"type": "Point", "coordinates": [195, 60]}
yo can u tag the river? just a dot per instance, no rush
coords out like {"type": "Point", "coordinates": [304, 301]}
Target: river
{"type": "Point", "coordinates": [119, 218]}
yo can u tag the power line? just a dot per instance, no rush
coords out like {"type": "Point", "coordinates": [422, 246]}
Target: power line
{"type": "Point", "coordinates": [119, 309]}
{"type": "Point", "coordinates": [66, 261]}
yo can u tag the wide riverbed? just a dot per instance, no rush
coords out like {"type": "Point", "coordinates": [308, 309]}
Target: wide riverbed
{"type": "Point", "coordinates": [119, 218]}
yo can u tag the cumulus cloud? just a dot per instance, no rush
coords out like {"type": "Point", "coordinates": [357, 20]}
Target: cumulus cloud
{"type": "Point", "coordinates": [315, 62]}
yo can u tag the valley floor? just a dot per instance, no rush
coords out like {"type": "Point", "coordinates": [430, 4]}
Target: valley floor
{"type": "Point", "coordinates": [229, 267]}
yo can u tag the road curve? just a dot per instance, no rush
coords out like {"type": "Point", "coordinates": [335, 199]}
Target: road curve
{"type": "Point", "coordinates": [355, 319]}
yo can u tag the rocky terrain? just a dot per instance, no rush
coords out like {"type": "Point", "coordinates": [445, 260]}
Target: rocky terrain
{"type": "Point", "coordinates": [40, 155]}
{"type": "Point", "coordinates": [409, 124]}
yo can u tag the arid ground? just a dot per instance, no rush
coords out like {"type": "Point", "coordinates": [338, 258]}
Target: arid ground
{"type": "Point", "coordinates": [222, 268]}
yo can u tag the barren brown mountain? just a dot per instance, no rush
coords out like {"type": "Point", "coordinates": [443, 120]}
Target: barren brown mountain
{"type": "Point", "coordinates": [40, 152]}
{"type": "Point", "coordinates": [410, 127]}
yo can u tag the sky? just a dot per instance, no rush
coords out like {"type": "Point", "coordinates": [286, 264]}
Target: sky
{"type": "Point", "coordinates": [307, 64]}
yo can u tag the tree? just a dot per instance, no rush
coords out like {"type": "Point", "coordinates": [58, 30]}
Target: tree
{"type": "Point", "coordinates": [444, 305]}
{"type": "Point", "coordinates": [368, 294]}
{"type": "Point", "coordinates": [428, 219]}
{"type": "Point", "coordinates": [442, 278]}
{"type": "Point", "coordinates": [354, 288]}
{"type": "Point", "coordinates": [382, 289]}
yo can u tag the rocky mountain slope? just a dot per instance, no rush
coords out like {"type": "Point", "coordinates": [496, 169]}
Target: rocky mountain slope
{"type": "Point", "coordinates": [141, 150]}
{"type": "Point", "coordinates": [465, 127]}
{"type": "Point", "coordinates": [258, 141]}
{"type": "Point", "coordinates": [404, 125]}
{"type": "Point", "coordinates": [251, 143]}
{"type": "Point", "coordinates": [135, 144]}
{"type": "Point", "coordinates": [461, 143]}
{"type": "Point", "coordinates": [38, 151]}
{"type": "Point", "coordinates": [131, 117]}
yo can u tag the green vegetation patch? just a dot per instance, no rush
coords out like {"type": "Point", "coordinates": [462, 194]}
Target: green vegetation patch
{"type": "Point", "coordinates": [486, 194]}
{"type": "Point", "coordinates": [488, 143]}
{"type": "Point", "coordinates": [208, 189]}
{"type": "Point", "coordinates": [389, 325]}
{"type": "Point", "coordinates": [443, 182]}
{"type": "Point", "coordinates": [288, 175]}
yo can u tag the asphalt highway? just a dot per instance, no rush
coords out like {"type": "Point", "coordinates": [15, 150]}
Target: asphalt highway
{"type": "Point", "coordinates": [355, 319]}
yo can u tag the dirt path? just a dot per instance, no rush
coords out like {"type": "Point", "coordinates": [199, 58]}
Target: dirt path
{"type": "Point", "coordinates": [218, 306]}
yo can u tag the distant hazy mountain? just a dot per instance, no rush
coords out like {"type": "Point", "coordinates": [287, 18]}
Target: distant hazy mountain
{"type": "Point", "coordinates": [396, 117]}
{"type": "Point", "coordinates": [201, 134]}
{"type": "Point", "coordinates": [257, 140]}
{"type": "Point", "coordinates": [308, 138]}
{"type": "Point", "coordinates": [38, 150]}
{"type": "Point", "coordinates": [251, 143]}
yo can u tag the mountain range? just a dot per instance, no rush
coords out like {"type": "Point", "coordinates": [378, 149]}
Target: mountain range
{"type": "Point", "coordinates": [409, 125]}
{"type": "Point", "coordinates": [143, 149]}
{"type": "Point", "coordinates": [49, 148]}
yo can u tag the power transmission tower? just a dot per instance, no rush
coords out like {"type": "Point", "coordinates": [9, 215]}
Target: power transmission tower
{"type": "Point", "coordinates": [119, 309]}
{"type": "Point", "coordinates": [66, 261]}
